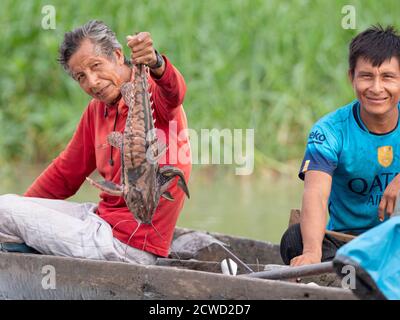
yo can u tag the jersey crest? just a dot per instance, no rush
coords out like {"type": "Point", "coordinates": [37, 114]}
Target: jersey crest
{"type": "Point", "coordinates": [385, 156]}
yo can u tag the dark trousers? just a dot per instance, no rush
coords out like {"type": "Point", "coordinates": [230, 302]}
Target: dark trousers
{"type": "Point", "coordinates": [292, 245]}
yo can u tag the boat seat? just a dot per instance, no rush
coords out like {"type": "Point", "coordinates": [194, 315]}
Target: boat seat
{"type": "Point", "coordinates": [16, 247]}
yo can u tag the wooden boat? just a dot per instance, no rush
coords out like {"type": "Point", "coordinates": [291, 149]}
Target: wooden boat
{"type": "Point", "coordinates": [24, 276]}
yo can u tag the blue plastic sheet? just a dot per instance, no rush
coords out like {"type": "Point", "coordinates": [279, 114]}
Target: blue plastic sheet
{"type": "Point", "coordinates": [377, 252]}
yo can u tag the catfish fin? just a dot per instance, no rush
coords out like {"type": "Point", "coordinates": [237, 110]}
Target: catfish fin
{"type": "Point", "coordinates": [107, 186]}
{"type": "Point", "coordinates": [182, 184]}
{"type": "Point", "coordinates": [170, 172]}
{"type": "Point", "coordinates": [167, 195]}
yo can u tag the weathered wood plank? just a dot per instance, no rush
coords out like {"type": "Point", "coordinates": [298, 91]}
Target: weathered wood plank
{"type": "Point", "coordinates": [21, 278]}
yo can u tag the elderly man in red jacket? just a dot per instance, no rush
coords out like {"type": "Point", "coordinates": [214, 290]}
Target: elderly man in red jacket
{"type": "Point", "coordinates": [42, 219]}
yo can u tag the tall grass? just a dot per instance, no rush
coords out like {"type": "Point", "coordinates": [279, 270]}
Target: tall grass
{"type": "Point", "coordinates": [269, 65]}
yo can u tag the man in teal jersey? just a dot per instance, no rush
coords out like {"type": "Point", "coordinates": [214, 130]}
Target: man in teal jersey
{"type": "Point", "coordinates": [352, 158]}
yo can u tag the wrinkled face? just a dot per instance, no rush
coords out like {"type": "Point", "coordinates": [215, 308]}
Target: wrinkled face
{"type": "Point", "coordinates": [99, 76]}
{"type": "Point", "coordinates": [377, 88]}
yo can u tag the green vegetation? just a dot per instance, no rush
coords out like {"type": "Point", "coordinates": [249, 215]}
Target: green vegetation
{"type": "Point", "coordinates": [270, 65]}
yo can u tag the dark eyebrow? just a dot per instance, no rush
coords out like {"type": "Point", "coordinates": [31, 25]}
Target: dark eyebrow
{"type": "Point", "coordinates": [365, 73]}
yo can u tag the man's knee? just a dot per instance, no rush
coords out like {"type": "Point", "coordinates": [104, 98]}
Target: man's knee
{"type": "Point", "coordinates": [291, 243]}
{"type": "Point", "coordinates": [7, 201]}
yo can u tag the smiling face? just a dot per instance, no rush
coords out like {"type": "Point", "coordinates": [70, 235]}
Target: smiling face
{"type": "Point", "coordinates": [99, 76]}
{"type": "Point", "coordinates": [377, 88]}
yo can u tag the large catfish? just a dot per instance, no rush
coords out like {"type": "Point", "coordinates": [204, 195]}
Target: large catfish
{"type": "Point", "coordinates": [143, 181]}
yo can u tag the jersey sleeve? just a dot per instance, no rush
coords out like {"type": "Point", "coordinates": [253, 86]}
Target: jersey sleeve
{"type": "Point", "coordinates": [322, 150]}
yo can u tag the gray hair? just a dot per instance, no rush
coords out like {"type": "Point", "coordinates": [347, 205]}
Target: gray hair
{"type": "Point", "coordinates": [98, 33]}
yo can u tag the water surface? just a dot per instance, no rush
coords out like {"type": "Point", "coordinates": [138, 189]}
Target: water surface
{"type": "Point", "coordinates": [255, 206]}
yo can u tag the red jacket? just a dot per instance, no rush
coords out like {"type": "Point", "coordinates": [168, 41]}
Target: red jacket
{"type": "Point", "coordinates": [89, 150]}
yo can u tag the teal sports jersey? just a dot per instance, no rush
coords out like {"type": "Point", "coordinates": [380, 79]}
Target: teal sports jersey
{"type": "Point", "coordinates": [361, 164]}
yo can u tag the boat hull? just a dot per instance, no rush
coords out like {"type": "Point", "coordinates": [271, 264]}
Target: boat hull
{"type": "Point", "coordinates": [26, 276]}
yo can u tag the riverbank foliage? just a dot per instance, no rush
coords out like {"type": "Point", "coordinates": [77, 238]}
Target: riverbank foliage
{"type": "Point", "coordinates": [275, 66]}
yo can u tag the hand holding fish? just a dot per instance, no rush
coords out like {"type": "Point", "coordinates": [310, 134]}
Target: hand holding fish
{"type": "Point", "coordinates": [143, 52]}
{"type": "Point", "coordinates": [143, 181]}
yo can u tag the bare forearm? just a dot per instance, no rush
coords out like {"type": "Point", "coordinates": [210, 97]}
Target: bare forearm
{"type": "Point", "coordinates": [313, 222]}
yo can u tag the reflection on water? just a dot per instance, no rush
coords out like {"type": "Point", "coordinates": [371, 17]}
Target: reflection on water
{"type": "Point", "coordinates": [255, 206]}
